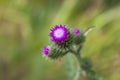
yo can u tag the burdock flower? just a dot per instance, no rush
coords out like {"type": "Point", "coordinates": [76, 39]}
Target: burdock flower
{"type": "Point", "coordinates": [59, 33]}
{"type": "Point", "coordinates": [46, 50]}
{"type": "Point", "coordinates": [76, 32]}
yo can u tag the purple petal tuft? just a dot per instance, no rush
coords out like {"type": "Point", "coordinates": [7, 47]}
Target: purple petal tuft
{"type": "Point", "coordinates": [59, 33]}
{"type": "Point", "coordinates": [46, 50]}
{"type": "Point", "coordinates": [76, 32]}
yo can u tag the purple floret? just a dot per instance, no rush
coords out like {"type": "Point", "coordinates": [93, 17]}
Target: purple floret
{"type": "Point", "coordinates": [59, 33]}
{"type": "Point", "coordinates": [46, 50]}
{"type": "Point", "coordinates": [76, 32]}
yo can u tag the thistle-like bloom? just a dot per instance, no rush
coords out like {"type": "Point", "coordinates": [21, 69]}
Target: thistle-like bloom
{"type": "Point", "coordinates": [46, 50]}
{"type": "Point", "coordinates": [59, 33]}
{"type": "Point", "coordinates": [76, 32]}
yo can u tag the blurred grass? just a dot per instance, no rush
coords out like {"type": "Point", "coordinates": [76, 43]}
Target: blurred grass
{"type": "Point", "coordinates": [24, 29]}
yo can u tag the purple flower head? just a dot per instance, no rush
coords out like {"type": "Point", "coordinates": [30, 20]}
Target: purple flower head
{"type": "Point", "coordinates": [76, 32]}
{"type": "Point", "coordinates": [46, 50]}
{"type": "Point", "coordinates": [59, 33]}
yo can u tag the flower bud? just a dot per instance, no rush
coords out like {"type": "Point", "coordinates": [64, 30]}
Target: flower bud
{"type": "Point", "coordinates": [46, 50]}
{"type": "Point", "coordinates": [86, 64]}
{"type": "Point", "coordinates": [56, 52]}
{"type": "Point", "coordinates": [78, 36]}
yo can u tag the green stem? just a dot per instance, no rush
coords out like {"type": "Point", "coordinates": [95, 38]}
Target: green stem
{"type": "Point", "coordinates": [88, 72]}
{"type": "Point", "coordinates": [78, 57]}
{"type": "Point", "coordinates": [77, 75]}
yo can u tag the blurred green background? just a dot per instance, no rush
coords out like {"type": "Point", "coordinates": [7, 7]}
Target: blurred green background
{"type": "Point", "coordinates": [24, 30]}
